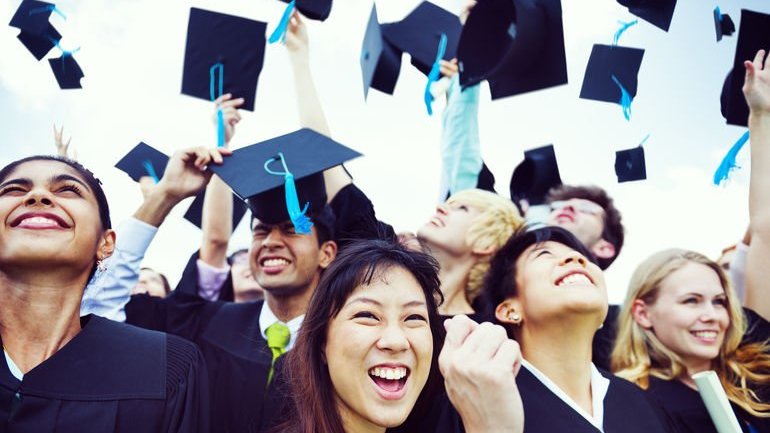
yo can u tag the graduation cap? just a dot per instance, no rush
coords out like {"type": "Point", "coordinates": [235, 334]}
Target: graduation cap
{"type": "Point", "coordinates": [223, 52]}
{"type": "Point", "coordinates": [257, 174]}
{"type": "Point", "coordinates": [535, 176]}
{"type": "Point", "coordinates": [67, 71]}
{"type": "Point", "coordinates": [39, 46]}
{"type": "Point", "coordinates": [194, 213]}
{"type": "Point", "coordinates": [317, 10]}
{"type": "Point", "coordinates": [419, 34]}
{"type": "Point", "coordinates": [753, 35]}
{"type": "Point", "coordinates": [143, 160]}
{"type": "Point", "coordinates": [723, 24]}
{"type": "Point", "coordinates": [32, 17]}
{"type": "Point", "coordinates": [380, 60]}
{"type": "Point", "coordinates": [611, 75]}
{"type": "Point", "coordinates": [517, 45]}
{"type": "Point", "coordinates": [656, 12]}
{"type": "Point", "coordinates": [629, 163]}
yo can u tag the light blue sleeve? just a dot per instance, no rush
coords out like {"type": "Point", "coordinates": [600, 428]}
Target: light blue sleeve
{"type": "Point", "coordinates": [460, 147]}
{"type": "Point", "coordinates": [108, 292]}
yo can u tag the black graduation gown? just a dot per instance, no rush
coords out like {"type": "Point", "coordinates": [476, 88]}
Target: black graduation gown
{"type": "Point", "coordinates": [110, 377]}
{"type": "Point", "coordinates": [229, 337]}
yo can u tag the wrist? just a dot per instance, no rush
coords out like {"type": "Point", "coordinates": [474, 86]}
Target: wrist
{"type": "Point", "coordinates": [156, 206]}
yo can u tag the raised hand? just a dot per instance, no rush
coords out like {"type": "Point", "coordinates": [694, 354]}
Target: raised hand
{"type": "Point", "coordinates": [756, 88]}
{"type": "Point", "coordinates": [230, 113]}
{"type": "Point", "coordinates": [186, 173]}
{"type": "Point", "coordinates": [62, 148]}
{"type": "Point", "coordinates": [297, 41]}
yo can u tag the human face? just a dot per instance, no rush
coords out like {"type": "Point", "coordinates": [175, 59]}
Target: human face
{"type": "Point", "coordinates": [554, 281]}
{"type": "Point", "coordinates": [582, 218]}
{"type": "Point", "coordinates": [245, 287]}
{"type": "Point", "coordinates": [284, 262]}
{"type": "Point", "coordinates": [50, 217]}
{"type": "Point", "coordinates": [448, 228]}
{"type": "Point", "coordinates": [379, 349]}
{"type": "Point", "coordinates": [150, 282]}
{"type": "Point", "coordinates": [690, 315]}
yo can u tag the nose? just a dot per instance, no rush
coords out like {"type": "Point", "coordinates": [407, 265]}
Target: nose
{"type": "Point", "coordinates": [393, 338]}
{"type": "Point", "coordinates": [442, 209]}
{"type": "Point", "coordinates": [273, 239]}
{"type": "Point", "coordinates": [574, 257]}
{"type": "Point", "coordinates": [38, 197]}
{"type": "Point", "coordinates": [708, 312]}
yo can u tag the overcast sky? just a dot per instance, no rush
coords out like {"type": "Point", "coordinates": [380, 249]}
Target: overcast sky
{"type": "Point", "coordinates": [132, 52]}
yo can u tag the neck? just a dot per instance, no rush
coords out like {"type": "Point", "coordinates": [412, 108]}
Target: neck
{"type": "Point", "coordinates": [563, 353]}
{"type": "Point", "coordinates": [453, 274]}
{"type": "Point", "coordinates": [355, 423]}
{"type": "Point", "coordinates": [248, 296]}
{"type": "Point", "coordinates": [287, 307]}
{"type": "Point", "coordinates": [39, 314]}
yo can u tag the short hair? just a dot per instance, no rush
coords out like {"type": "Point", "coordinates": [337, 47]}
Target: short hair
{"type": "Point", "coordinates": [92, 181]}
{"type": "Point", "coordinates": [323, 221]}
{"type": "Point", "coordinates": [311, 388]}
{"type": "Point", "coordinates": [500, 283]}
{"type": "Point", "coordinates": [613, 231]}
{"type": "Point", "coordinates": [498, 220]}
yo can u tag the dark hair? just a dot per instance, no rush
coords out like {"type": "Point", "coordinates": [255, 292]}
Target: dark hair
{"type": "Point", "coordinates": [613, 227]}
{"type": "Point", "coordinates": [163, 279]}
{"type": "Point", "coordinates": [311, 390]}
{"type": "Point", "coordinates": [236, 253]}
{"type": "Point", "coordinates": [323, 222]}
{"type": "Point", "coordinates": [500, 282]}
{"type": "Point", "coordinates": [93, 183]}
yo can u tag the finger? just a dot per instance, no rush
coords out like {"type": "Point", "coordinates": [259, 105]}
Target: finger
{"type": "Point", "coordinates": [224, 151]}
{"type": "Point", "coordinates": [222, 99]}
{"type": "Point", "coordinates": [767, 60]}
{"type": "Point", "coordinates": [68, 143]}
{"type": "Point", "coordinates": [749, 72]}
{"type": "Point", "coordinates": [215, 156]}
{"type": "Point", "coordinates": [457, 330]}
{"type": "Point", "coordinates": [484, 342]}
{"type": "Point", "coordinates": [233, 103]}
{"type": "Point", "coordinates": [508, 356]}
{"type": "Point", "coordinates": [758, 59]}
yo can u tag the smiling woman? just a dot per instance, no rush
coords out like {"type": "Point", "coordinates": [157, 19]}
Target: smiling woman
{"type": "Point", "coordinates": [60, 371]}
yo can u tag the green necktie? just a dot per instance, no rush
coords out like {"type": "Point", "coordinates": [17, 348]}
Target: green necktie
{"type": "Point", "coordinates": [277, 339]}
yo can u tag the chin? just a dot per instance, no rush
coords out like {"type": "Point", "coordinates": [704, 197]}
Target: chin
{"type": "Point", "coordinates": [390, 418]}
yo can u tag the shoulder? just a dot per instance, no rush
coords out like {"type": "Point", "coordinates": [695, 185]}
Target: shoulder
{"type": "Point", "coordinates": [182, 359]}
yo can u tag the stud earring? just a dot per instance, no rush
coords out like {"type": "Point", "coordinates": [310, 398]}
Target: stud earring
{"type": "Point", "coordinates": [515, 318]}
{"type": "Point", "coordinates": [101, 266]}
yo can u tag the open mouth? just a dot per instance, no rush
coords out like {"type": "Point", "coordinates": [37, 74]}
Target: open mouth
{"type": "Point", "coordinates": [574, 279]}
{"type": "Point", "coordinates": [705, 336]}
{"type": "Point", "coordinates": [39, 221]}
{"type": "Point", "coordinates": [274, 263]}
{"type": "Point", "coordinates": [391, 380]}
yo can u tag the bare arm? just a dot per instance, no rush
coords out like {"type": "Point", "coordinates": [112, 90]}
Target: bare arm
{"type": "Point", "coordinates": [757, 92]}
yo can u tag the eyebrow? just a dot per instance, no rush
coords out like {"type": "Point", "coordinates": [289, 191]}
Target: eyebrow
{"type": "Point", "coordinates": [21, 181]}
{"type": "Point", "coordinates": [379, 304]}
{"type": "Point", "coordinates": [54, 179]}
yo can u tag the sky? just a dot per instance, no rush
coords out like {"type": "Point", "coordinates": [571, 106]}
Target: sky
{"type": "Point", "coordinates": [132, 52]}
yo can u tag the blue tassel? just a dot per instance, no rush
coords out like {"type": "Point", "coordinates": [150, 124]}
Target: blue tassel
{"type": "Point", "coordinates": [214, 95]}
{"type": "Point", "coordinates": [435, 73]}
{"type": "Point", "coordinates": [302, 223]}
{"type": "Point", "coordinates": [150, 170]}
{"type": "Point", "coordinates": [719, 14]}
{"type": "Point", "coordinates": [728, 162]}
{"type": "Point", "coordinates": [279, 34]}
{"type": "Point", "coordinates": [625, 99]}
{"type": "Point", "coordinates": [623, 27]}
{"type": "Point", "coordinates": [51, 8]}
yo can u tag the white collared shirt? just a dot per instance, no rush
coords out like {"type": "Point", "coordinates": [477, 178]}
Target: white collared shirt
{"type": "Point", "coordinates": [599, 387]}
{"type": "Point", "coordinates": [15, 371]}
{"type": "Point", "coordinates": [267, 318]}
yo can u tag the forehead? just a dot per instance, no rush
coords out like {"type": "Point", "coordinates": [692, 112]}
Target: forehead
{"type": "Point", "coordinates": [390, 284]}
{"type": "Point", "coordinates": [692, 278]}
{"type": "Point", "coordinates": [37, 170]}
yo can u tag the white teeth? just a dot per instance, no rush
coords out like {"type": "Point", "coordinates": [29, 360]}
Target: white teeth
{"type": "Point", "coordinates": [275, 262]}
{"type": "Point", "coordinates": [705, 334]}
{"type": "Point", "coordinates": [40, 220]}
{"type": "Point", "coordinates": [396, 373]}
{"type": "Point", "coordinates": [576, 278]}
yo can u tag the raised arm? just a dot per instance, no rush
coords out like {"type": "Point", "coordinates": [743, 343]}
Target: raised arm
{"type": "Point", "coordinates": [757, 92]}
{"type": "Point", "coordinates": [62, 148]}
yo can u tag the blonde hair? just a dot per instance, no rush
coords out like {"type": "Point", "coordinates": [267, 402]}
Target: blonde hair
{"type": "Point", "coordinates": [638, 353]}
{"type": "Point", "coordinates": [495, 224]}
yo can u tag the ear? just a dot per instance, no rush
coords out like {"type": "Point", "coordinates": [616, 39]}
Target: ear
{"type": "Point", "coordinates": [509, 312]}
{"type": "Point", "coordinates": [603, 249]}
{"type": "Point", "coordinates": [327, 253]}
{"type": "Point", "coordinates": [106, 245]}
{"type": "Point", "coordinates": [641, 314]}
{"type": "Point", "coordinates": [483, 251]}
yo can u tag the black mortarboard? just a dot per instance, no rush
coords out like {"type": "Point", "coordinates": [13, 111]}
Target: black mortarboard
{"type": "Point", "coordinates": [314, 9]}
{"type": "Point", "coordinates": [67, 71]}
{"type": "Point", "coordinates": [194, 213]}
{"type": "Point", "coordinates": [419, 34]}
{"type": "Point", "coordinates": [605, 62]}
{"type": "Point", "coordinates": [535, 176]}
{"type": "Point", "coordinates": [753, 35]}
{"type": "Point", "coordinates": [517, 45]}
{"type": "Point", "coordinates": [235, 42]}
{"type": "Point", "coordinates": [32, 17]}
{"type": "Point", "coordinates": [723, 24]}
{"type": "Point", "coordinates": [135, 162]}
{"type": "Point", "coordinates": [39, 46]}
{"type": "Point", "coordinates": [629, 164]}
{"type": "Point", "coordinates": [306, 154]}
{"type": "Point", "coordinates": [380, 60]}
{"type": "Point", "coordinates": [656, 12]}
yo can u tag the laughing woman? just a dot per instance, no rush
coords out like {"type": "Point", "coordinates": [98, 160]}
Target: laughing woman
{"type": "Point", "coordinates": [60, 371]}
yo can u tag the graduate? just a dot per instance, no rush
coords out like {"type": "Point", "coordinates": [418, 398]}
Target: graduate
{"type": "Point", "coordinates": [551, 297]}
{"type": "Point", "coordinates": [60, 371]}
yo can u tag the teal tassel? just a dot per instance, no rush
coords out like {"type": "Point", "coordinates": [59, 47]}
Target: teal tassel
{"type": "Point", "coordinates": [51, 8]}
{"type": "Point", "coordinates": [279, 34]}
{"type": "Point", "coordinates": [625, 99]}
{"type": "Point", "coordinates": [435, 73]}
{"type": "Point", "coordinates": [728, 162]}
{"type": "Point", "coordinates": [302, 223]}
{"type": "Point", "coordinates": [150, 170]}
{"type": "Point", "coordinates": [214, 95]}
{"type": "Point", "coordinates": [623, 27]}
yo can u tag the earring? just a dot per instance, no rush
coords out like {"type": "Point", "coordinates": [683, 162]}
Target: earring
{"type": "Point", "coordinates": [101, 266]}
{"type": "Point", "coordinates": [515, 317]}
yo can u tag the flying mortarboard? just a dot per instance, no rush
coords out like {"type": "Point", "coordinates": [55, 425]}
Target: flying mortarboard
{"type": "Point", "coordinates": [535, 176]}
{"type": "Point", "coordinates": [380, 60]}
{"type": "Point", "coordinates": [612, 75]}
{"type": "Point", "coordinates": [630, 164]}
{"type": "Point", "coordinates": [723, 24]}
{"type": "Point", "coordinates": [419, 34]}
{"type": "Point", "coordinates": [67, 71]}
{"type": "Point", "coordinates": [235, 43]}
{"type": "Point", "coordinates": [39, 46]}
{"type": "Point", "coordinates": [32, 17]}
{"type": "Point", "coordinates": [753, 35]}
{"type": "Point", "coordinates": [143, 160]}
{"type": "Point", "coordinates": [305, 153]}
{"type": "Point", "coordinates": [194, 213]}
{"type": "Point", "coordinates": [656, 12]}
{"type": "Point", "coordinates": [317, 10]}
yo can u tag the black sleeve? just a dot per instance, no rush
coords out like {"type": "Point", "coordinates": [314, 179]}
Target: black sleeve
{"type": "Point", "coordinates": [757, 328]}
{"type": "Point", "coordinates": [604, 339]}
{"type": "Point", "coordinates": [187, 392]}
{"type": "Point", "coordinates": [178, 313]}
{"type": "Point", "coordinates": [355, 218]}
{"type": "Point", "coordinates": [188, 283]}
